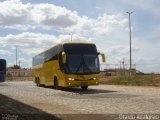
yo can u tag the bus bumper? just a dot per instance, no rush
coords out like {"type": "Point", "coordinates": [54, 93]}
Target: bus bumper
{"type": "Point", "coordinates": [81, 83]}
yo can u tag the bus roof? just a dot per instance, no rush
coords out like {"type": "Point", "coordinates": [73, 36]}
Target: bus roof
{"type": "Point", "coordinates": [62, 43]}
{"type": "Point", "coordinates": [76, 42]}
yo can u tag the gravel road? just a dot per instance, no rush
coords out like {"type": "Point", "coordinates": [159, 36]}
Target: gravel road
{"type": "Point", "coordinates": [98, 102]}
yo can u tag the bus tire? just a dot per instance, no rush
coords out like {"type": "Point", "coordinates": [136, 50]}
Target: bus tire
{"type": "Point", "coordinates": [55, 86]}
{"type": "Point", "coordinates": [38, 82]}
{"type": "Point", "coordinates": [84, 87]}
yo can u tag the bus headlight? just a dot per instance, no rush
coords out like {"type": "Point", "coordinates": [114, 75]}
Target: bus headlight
{"type": "Point", "coordinates": [71, 79]}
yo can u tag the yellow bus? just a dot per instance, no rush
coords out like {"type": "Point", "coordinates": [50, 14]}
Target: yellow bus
{"type": "Point", "coordinates": [68, 64]}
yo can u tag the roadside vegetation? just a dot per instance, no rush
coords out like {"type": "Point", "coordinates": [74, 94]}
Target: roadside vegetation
{"type": "Point", "coordinates": [135, 80]}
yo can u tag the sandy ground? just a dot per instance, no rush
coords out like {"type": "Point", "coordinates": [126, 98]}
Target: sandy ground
{"type": "Point", "coordinates": [23, 100]}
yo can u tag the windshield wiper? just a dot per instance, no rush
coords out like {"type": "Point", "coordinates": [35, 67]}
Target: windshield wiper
{"type": "Point", "coordinates": [80, 65]}
{"type": "Point", "coordinates": [87, 67]}
{"type": "Point", "coordinates": [83, 63]}
{"type": "Point", "coordinates": [67, 67]}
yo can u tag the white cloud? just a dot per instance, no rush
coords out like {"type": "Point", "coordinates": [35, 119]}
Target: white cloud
{"type": "Point", "coordinates": [33, 43]}
{"type": "Point", "coordinates": [109, 32]}
{"type": "Point", "coordinates": [51, 16]}
{"type": "Point", "coordinates": [29, 42]}
{"type": "Point", "coordinates": [73, 37]}
{"type": "Point", "coordinates": [16, 15]}
{"type": "Point", "coordinates": [27, 39]}
{"type": "Point", "coordinates": [5, 52]}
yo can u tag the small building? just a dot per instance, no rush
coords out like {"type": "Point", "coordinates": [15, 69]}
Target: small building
{"type": "Point", "coordinates": [114, 72]}
{"type": "Point", "coordinates": [19, 72]}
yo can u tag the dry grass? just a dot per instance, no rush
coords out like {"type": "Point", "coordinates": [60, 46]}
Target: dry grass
{"type": "Point", "coordinates": [138, 80]}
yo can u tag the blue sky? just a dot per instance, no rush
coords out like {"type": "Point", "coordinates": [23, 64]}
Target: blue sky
{"type": "Point", "coordinates": [35, 25]}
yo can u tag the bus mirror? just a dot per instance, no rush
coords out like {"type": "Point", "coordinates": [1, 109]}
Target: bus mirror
{"type": "Point", "coordinates": [63, 57]}
{"type": "Point", "coordinates": [103, 57]}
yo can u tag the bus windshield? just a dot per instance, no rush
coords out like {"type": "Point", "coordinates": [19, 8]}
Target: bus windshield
{"type": "Point", "coordinates": [81, 59]}
{"type": "Point", "coordinates": [80, 49]}
{"type": "Point", "coordinates": [82, 64]}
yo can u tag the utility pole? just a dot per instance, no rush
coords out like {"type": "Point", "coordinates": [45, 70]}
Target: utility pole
{"type": "Point", "coordinates": [19, 67]}
{"type": "Point", "coordinates": [129, 15]}
{"type": "Point", "coordinates": [15, 66]}
{"type": "Point", "coordinates": [123, 63]}
{"type": "Point", "coordinates": [16, 56]}
{"type": "Point", "coordinates": [123, 67]}
{"type": "Point", "coordinates": [120, 65]}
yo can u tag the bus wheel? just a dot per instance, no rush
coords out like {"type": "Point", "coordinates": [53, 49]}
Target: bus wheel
{"type": "Point", "coordinates": [37, 82]}
{"type": "Point", "coordinates": [84, 87]}
{"type": "Point", "coordinates": [55, 83]}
